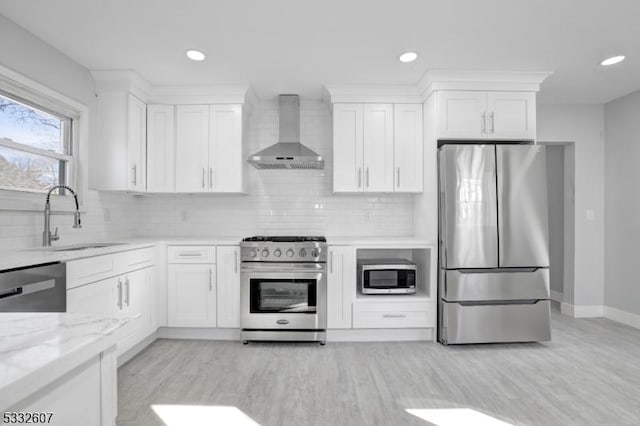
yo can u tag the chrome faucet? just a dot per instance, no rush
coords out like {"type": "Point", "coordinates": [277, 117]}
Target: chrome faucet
{"type": "Point", "coordinates": [47, 237]}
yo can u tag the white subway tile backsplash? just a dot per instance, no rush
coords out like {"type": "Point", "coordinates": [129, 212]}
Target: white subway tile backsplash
{"type": "Point", "coordinates": [278, 202]}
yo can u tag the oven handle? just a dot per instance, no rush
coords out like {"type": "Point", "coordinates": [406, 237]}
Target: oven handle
{"type": "Point", "coordinates": [283, 267]}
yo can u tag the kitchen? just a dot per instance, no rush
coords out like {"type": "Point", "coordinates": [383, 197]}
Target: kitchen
{"type": "Point", "coordinates": [579, 106]}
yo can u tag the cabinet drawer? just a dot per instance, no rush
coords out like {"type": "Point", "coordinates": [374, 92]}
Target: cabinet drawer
{"type": "Point", "coordinates": [191, 254]}
{"type": "Point", "coordinates": [393, 315]}
{"type": "Point", "coordinates": [135, 259]}
{"type": "Point", "coordinates": [89, 270]}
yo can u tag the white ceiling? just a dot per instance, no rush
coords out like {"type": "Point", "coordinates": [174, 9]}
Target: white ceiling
{"type": "Point", "coordinates": [293, 46]}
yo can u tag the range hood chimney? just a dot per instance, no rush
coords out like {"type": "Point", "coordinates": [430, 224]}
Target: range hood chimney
{"type": "Point", "coordinates": [288, 153]}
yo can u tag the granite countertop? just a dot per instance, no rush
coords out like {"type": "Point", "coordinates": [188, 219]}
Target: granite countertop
{"type": "Point", "coordinates": [37, 348]}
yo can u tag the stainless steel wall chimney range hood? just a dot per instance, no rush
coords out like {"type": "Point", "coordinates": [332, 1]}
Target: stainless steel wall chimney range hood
{"type": "Point", "coordinates": [288, 153]}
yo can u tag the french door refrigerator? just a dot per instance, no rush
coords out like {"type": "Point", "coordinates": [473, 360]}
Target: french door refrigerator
{"type": "Point", "coordinates": [493, 282]}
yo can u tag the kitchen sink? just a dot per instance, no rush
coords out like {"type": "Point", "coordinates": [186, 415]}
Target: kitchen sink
{"type": "Point", "coordinates": [86, 246]}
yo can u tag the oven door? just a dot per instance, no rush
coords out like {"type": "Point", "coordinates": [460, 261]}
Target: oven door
{"type": "Point", "coordinates": [283, 296]}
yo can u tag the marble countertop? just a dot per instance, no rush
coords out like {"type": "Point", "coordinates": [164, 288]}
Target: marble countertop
{"type": "Point", "coordinates": [36, 256]}
{"type": "Point", "coordinates": [36, 349]}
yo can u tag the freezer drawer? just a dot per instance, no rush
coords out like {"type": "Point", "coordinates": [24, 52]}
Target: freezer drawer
{"type": "Point", "coordinates": [504, 285]}
{"type": "Point", "coordinates": [494, 323]}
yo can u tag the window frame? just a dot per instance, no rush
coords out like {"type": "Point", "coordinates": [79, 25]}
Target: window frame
{"type": "Point", "coordinates": [31, 93]}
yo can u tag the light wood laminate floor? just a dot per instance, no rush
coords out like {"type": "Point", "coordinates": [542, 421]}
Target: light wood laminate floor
{"type": "Point", "coordinates": [589, 374]}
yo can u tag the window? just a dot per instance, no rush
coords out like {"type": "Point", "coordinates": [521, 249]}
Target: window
{"type": "Point", "coordinates": [35, 146]}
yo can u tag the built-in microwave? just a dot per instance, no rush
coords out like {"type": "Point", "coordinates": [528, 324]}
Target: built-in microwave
{"type": "Point", "coordinates": [386, 276]}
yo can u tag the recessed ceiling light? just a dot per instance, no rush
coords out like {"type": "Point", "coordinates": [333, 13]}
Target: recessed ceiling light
{"type": "Point", "coordinates": [612, 60]}
{"type": "Point", "coordinates": [195, 55]}
{"type": "Point", "coordinates": [408, 57]}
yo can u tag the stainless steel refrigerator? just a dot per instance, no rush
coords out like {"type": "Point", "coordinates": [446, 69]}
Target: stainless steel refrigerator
{"type": "Point", "coordinates": [493, 283]}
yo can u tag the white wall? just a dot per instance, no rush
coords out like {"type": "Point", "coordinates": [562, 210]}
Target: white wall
{"type": "Point", "coordinates": [556, 200]}
{"type": "Point", "coordinates": [25, 54]}
{"type": "Point", "coordinates": [622, 195]}
{"type": "Point", "coordinates": [282, 201]}
{"type": "Point", "coordinates": [583, 125]}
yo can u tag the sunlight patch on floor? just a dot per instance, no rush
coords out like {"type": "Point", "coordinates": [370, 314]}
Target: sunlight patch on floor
{"type": "Point", "coordinates": [455, 417]}
{"type": "Point", "coordinates": [201, 415]}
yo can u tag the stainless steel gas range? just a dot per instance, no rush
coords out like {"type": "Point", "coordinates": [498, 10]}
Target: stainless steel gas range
{"type": "Point", "coordinates": [283, 289]}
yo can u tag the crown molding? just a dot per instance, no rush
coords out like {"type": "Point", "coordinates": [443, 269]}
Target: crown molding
{"type": "Point", "coordinates": [434, 80]}
{"type": "Point", "coordinates": [130, 81]}
{"type": "Point", "coordinates": [518, 81]}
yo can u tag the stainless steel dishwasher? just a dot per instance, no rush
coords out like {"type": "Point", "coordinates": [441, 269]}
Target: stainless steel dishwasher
{"type": "Point", "coordinates": [38, 288]}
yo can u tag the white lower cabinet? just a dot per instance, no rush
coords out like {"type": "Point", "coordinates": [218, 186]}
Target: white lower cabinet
{"type": "Point", "coordinates": [228, 282]}
{"type": "Point", "coordinates": [341, 278]}
{"type": "Point", "coordinates": [135, 301]}
{"type": "Point", "coordinates": [192, 295]}
{"type": "Point", "coordinates": [127, 292]}
{"type": "Point", "coordinates": [393, 315]}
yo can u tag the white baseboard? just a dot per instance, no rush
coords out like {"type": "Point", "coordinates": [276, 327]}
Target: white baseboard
{"type": "Point", "coordinates": [199, 333]}
{"type": "Point", "coordinates": [381, 335]}
{"type": "Point", "coordinates": [557, 296]}
{"type": "Point", "coordinates": [582, 311]}
{"type": "Point", "coordinates": [137, 348]}
{"type": "Point", "coordinates": [621, 316]}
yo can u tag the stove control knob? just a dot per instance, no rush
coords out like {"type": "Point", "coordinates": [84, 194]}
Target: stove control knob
{"type": "Point", "coordinates": [277, 252]}
{"type": "Point", "coordinates": [290, 253]}
{"type": "Point", "coordinates": [253, 253]}
{"type": "Point", "coordinates": [265, 253]}
{"type": "Point", "coordinates": [315, 252]}
{"type": "Point", "coordinates": [302, 252]}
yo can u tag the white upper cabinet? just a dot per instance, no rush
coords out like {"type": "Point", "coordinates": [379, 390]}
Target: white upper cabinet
{"type": "Point", "coordinates": [119, 155]}
{"type": "Point", "coordinates": [512, 115]}
{"type": "Point", "coordinates": [209, 148]}
{"type": "Point", "coordinates": [366, 154]}
{"type": "Point", "coordinates": [226, 159]}
{"type": "Point", "coordinates": [137, 143]}
{"type": "Point", "coordinates": [161, 148]}
{"type": "Point", "coordinates": [408, 148]}
{"type": "Point", "coordinates": [472, 115]}
{"type": "Point", "coordinates": [378, 148]}
{"type": "Point", "coordinates": [462, 115]}
{"type": "Point", "coordinates": [192, 148]}
{"type": "Point", "coordinates": [347, 147]}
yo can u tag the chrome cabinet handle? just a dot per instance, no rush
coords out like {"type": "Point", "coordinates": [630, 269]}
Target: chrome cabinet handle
{"type": "Point", "coordinates": [483, 122]}
{"type": "Point", "coordinates": [393, 316]}
{"type": "Point", "coordinates": [398, 182]}
{"type": "Point", "coordinates": [210, 279]}
{"type": "Point", "coordinates": [189, 254]}
{"type": "Point", "coordinates": [203, 175]}
{"type": "Point", "coordinates": [493, 123]}
{"type": "Point", "coordinates": [210, 177]}
{"type": "Point", "coordinates": [134, 168]}
{"type": "Point", "coordinates": [359, 177]}
{"type": "Point", "coordinates": [367, 174]}
{"type": "Point", "coordinates": [127, 298]}
{"type": "Point", "coordinates": [331, 261]}
{"type": "Point", "coordinates": [119, 294]}
{"type": "Point", "coordinates": [235, 261]}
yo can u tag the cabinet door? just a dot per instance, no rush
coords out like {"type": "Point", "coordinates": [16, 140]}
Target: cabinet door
{"type": "Point", "coordinates": [192, 148]}
{"type": "Point", "coordinates": [462, 115]}
{"type": "Point", "coordinates": [136, 295]}
{"type": "Point", "coordinates": [408, 147]}
{"type": "Point", "coordinates": [341, 283]}
{"type": "Point", "coordinates": [512, 115]}
{"type": "Point", "coordinates": [137, 143]}
{"type": "Point", "coordinates": [228, 283]}
{"type": "Point", "coordinates": [378, 148]}
{"type": "Point", "coordinates": [347, 148]}
{"type": "Point", "coordinates": [161, 148]}
{"type": "Point", "coordinates": [96, 298]}
{"type": "Point", "coordinates": [226, 162]}
{"type": "Point", "coordinates": [192, 295]}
